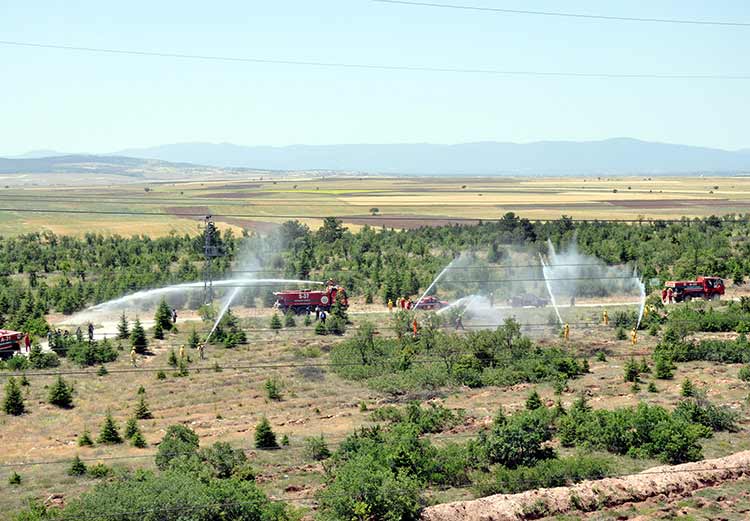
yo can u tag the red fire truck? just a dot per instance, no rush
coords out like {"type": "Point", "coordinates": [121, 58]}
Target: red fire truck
{"type": "Point", "coordinates": [300, 300]}
{"type": "Point", "coordinates": [431, 304]}
{"type": "Point", "coordinates": [707, 288]}
{"type": "Point", "coordinates": [11, 342]}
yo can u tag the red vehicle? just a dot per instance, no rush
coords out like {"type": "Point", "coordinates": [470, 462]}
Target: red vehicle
{"type": "Point", "coordinates": [707, 288]}
{"type": "Point", "coordinates": [431, 304]}
{"type": "Point", "coordinates": [10, 342]}
{"type": "Point", "coordinates": [300, 300]}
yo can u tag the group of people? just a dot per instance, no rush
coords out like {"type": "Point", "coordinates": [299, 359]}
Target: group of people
{"type": "Point", "coordinates": [667, 296]}
{"type": "Point", "coordinates": [401, 303]}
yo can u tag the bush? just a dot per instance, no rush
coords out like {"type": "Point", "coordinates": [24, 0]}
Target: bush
{"type": "Point", "coordinates": [84, 440]}
{"type": "Point", "coordinates": [142, 412]}
{"type": "Point", "coordinates": [131, 428]}
{"type": "Point", "coordinates": [534, 402]}
{"type": "Point", "coordinates": [289, 320]}
{"type": "Point", "coordinates": [336, 325]}
{"type": "Point", "coordinates": [316, 448]}
{"type": "Point", "coordinates": [519, 440]}
{"type": "Point", "coordinates": [161, 375]}
{"type": "Point", "coordinates": [100, 470]}
{"type": "Point", "coordinates": [61, 394]}
{"type": "Point", "coordinates": [620, 334]}
{"type": "Point", "coordinates": [87, 354]}
{"type": "Point", "coordinates": [109, 433]}
{"type": "Point", "coordinates": [275, 322]}
{"type": "Point", "coordinates": [545, 474]}
{"type": "Point", "coordinates": [631, 370]}
{"type": "Point", "coordinates": [13, 401]}
{"type": "Point", "coordinates": [222, 459]}
{"type": "Point", "coordinates": [14, 478]}
{"type": "Point", "coordinates": [178, 442]}
{"type": "Point", "coordinates": [102, 371]}
{"type": "Point", "coordinates": [77, 467]}
{"type": "Point", "coordinates": [366, 488]}
{"type": "Point", "coordinates": [699, 410]}
{"type": "Point", "coordinates": [273, 389]}
{"type": "Point", "coordinates": [41, 360]}
{"type": "Point", "coordinates": [688, 389]}
{"type": "Point", "coordinates": [138, 338]}
{"type": "Point", "coordinates": [744, 373]}
{"type": "Point", "coordinates": [175, 496]}
{"type": "Point", "coordinates": [320, 329]}
{"type": "Point", "coordinates": [264, 436]}
{"type": "Point", "coordinates": [663, 367]}
{"type": "Point", "coordinates": [138, 441]}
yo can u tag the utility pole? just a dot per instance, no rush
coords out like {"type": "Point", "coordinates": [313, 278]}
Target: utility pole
{"type": "Point", "coordinates": [210, 252]}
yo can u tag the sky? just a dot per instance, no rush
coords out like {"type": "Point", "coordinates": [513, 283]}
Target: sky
{"type": "Point", "coordinates": [73, 101]}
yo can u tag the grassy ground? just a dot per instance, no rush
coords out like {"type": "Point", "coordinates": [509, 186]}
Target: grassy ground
{"type": "Point", "coordinates": [226, 406]}
{"type": "Point", "coordinates": [261, 204]}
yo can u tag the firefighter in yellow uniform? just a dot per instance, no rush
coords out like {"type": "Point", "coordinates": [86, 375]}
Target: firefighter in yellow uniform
{"type": "Point", "coordinates": [133, 356]}
{"type": "Point", "coordinates": [566, 331]}
{"type": "Point", "coordinates": [605, 318]}
{"type": "Point", "coordinates": [634, 336]}
{"type": "Point", "coordinates": [182, 352]}
{"type": "Point", "coordinates": [390, 305]}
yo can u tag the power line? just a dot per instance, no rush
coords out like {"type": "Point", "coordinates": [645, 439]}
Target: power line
{"type": "Point", "coordinates": [382, 67]}
{"type": "Point", "coordinates": [567, 14]}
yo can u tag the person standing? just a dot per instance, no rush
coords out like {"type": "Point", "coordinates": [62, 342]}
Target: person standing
{"type": "Point", "coordinates": [605, 318]}
{"type": "Point", "coordinates": [670, 296]}
{"type": "Point", "coordinates": [317, 312]}
{"type": "Point", "coordinates": [664, 296]}
{"type": "Point", "coordinates": [201, 351]}
{"type": "Point", "coordinates": [323, 317]}
{"type": "Point", "coordinates": [634, 336]}
{"type": "Point", "coordinates": [459, 323]}
{"type": "Point", "coordinates": [174, 316]}
{"type": "Point", "coordinates": [566, 331]}
{"type": "Point", "coordinates": [390, 305]}
{"type": "Point", "coordinates": [91, 332]}
{"type": "Point", "coordinates": [182, 352]}
{"type": "Point", "coordinates": [133, 357]}
{"type": "Point", "coordinates": [415, 327]}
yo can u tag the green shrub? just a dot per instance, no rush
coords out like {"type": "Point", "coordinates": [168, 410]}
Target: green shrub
{"type": "Point", "coordinates": [744, 373]}
{"type": "Point", "coordinates": [688, 389]}
{"type": "Point", "coordinates": [316, 448]}
{"type": "Point", "coordinates": [273, 389]}
{"type": "Point", "coordinates": [275, 322]}
{"type": "Point", "coordinates": [519, 440]}
{"type": "Point", "coordinates": [701, 411]}
{"type": "Point", "coordinates": [99, 470]}
{"type": "Point", "coordinates": [222, 459]}
{"type": "Point", "coordinates": [109, 433]}
{"type": "Point", "coordinates": [131, 428]}
{"type": "Point", "coordinates": [631, 370]}
{"type": "Point", "coordinates": [366, 488]}
{"type": "Point", "coordinates": [102, 371]}
{"type": "Point", "coordinates": [84, 440]}
{"type": "Point", "coordinates": [13, 401]}
{"type": "Point", "coordinates": [320, 329]}
{"type": "Point", "coordinates": [61, 394]}
{"type": "Point", "coordinates": [620, 334]}
{"type": "Point", "coordinates": [289, 320]}
{"type": "Point", "coordinates": [534, 401]}
{"type": "Point", "coordinates": [652, 388]}
{"type": "Point", "coordinates": [545, 474]}
{"type": "Point", "coordinates": [663, 367]}
{"type": "Point", "coordinates": [178, 442]}
{"type": "Point", "coordinates": [142, 412]}
{"type": "Point", "coordinates": [14, 478]}
{"type": "Point", "coordinates": [42, 360]}
{"type": "Point", "coordinates": [264, 435]}
{"type": "Point", "coordinates": [138, 441]}
{"type": "Point", "coordinates": [77, 467]}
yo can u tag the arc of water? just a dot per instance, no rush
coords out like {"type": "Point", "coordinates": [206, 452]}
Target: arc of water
{"type": "Point", "coordinates": [440, 275]}
{"type": "Point", "coordinates": [224, 309]}
{"type": "Point", "coordinates": [545, 273]}
{"type": "Point", "coordinates": [642, 288]}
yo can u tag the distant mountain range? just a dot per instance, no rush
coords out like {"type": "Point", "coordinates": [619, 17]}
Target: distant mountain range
{"type": "Point", "coordinates": [619, 156]}
{"type": "Point", "coordinates": [81, 164]}
{"type": "Point", "coordinates": [611, 156]}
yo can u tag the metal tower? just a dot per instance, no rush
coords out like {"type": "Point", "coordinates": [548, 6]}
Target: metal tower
{"type": "Point", "coordinates": [210, 252]}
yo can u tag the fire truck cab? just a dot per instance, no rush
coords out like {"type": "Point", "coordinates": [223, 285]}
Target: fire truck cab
{"type": "Point", "coordinates": [11, 342]}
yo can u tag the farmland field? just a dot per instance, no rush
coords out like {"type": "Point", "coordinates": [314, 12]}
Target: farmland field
{"type": "Point", "coordinates": [402, 202]}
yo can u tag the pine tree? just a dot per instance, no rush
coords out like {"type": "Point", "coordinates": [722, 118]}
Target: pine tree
{"type": "Point", "coordinates": [84, 440]}
{"type": "Point", "coordinates": [158, 331]}
{"type": "Point", "coordinates": [61, 394]}
{"type": "Point", "coordinates": [25, 381]}
{"type": "Point", "coordinates": [663, 368]}
{"type": "Point", "coordinates": [163, 316]}
{"type": "Point", "coordinates": [138, 338]}
{"type": "Point", "coordinates": [688, 389]}
{"type": "Point", "coordinates": [308, 320]}
{"type": "Point", "coordinates": [275, 322]}
{"type": "Point", "coordinates": [631, 370]}
{"type": "Point", "coordinates": [13, 402]}
{"type": "Point", "coordinates": [142, 411]}
{"type": "Point", "coordinates": [321, 329]}
{"type": "Point", "coordinates": [77, 468]}
{"type": "Point", "coordinates": [264, 436]}
{"type": "Point", "coordinates": [131, 427]}
{"type": "Point", "coordinates": [141, 390]}
{"type": "Point", "coordinates": [102, 371]}
{"type": "Point", "coordinates": [338, 310]}
{"type": "Point", "coordinates": [109, 435]}
{"type": "Point", "coordinates": [172, 360]}
{"type": "Point", "coordinates": [534, 401]}
{"type": "Point", "coordinates": [14, 479]}
{"type": "Point", "coordinates": [123, 328]}
{"type": "Point", "coordinates": [289, 320]}
{"type": "Point", "coordinates": [193, 339]}
{"type": "Point", "coordinates": [138, 440]}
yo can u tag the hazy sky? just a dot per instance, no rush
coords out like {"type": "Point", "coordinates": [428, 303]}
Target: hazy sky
{"type": "Point", "coordinates": [78, 101]}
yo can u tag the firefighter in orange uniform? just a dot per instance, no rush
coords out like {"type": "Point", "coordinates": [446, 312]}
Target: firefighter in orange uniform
{"type": "Point", "coordinates": [605, 318]}
{"type": "Point", "coordinates": [566, 331]}
{"type": "Point", "coordinates": [634, 336]}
